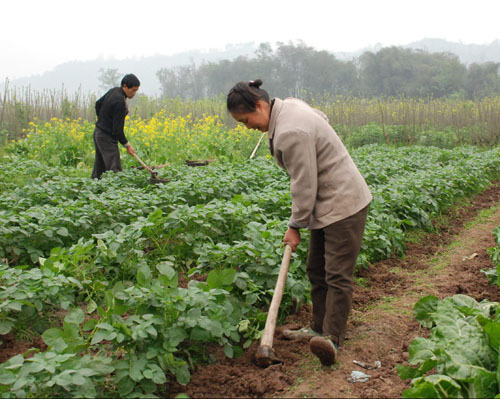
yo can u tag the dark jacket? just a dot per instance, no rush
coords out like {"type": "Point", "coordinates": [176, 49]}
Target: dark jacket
{"type": "Point", "coordinates": [111, 110]}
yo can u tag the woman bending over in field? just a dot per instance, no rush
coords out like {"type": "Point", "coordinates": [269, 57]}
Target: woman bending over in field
{"type": "Point", "coordinates": [329, 197]}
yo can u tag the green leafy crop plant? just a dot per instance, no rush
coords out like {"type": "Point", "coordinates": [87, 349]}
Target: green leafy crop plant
{"type": "Point", "coordinates": [160, 272]}
{"type": "Point", "coordinates": [462, 350]}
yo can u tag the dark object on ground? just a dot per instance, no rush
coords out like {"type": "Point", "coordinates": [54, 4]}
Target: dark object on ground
{"type": "Point", "coordinates": [197, 162]}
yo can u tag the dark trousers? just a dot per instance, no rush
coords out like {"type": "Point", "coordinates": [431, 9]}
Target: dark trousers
{"type": "Point", "coordinates": [107, 154]}
{"type": "Point", "coordinates": [333, 251]}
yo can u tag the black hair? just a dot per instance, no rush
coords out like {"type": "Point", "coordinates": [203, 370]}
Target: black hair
{"type": "Point", "coordinates": [130, 80]}
{"type": "Point", "coordinates": [243, 96]}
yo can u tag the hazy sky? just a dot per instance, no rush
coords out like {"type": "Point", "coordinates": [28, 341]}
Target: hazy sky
{"type": "Point", "coordinates": [37, 35]}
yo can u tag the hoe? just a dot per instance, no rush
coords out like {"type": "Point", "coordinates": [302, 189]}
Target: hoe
{"type": "Point", "coordinates": [265, 355]}
{"type": "Point", "coordinates": [154, 175]}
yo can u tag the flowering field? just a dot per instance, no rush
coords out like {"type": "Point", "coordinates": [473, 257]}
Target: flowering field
{"type": "Point", "coordinates": [160, 139]}
{"type": "Point", "coordinates": [129, 283]}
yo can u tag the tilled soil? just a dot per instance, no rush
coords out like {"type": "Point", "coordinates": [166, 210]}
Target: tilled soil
{"type": "Point", "coordinates": [381, 324]}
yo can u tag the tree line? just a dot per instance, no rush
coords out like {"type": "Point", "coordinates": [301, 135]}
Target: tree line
{"type": "Point", "coordinates": [298, 70]}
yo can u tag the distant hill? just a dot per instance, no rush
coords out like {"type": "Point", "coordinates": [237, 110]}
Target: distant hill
{"type": "Point", "coordinates": [467, 53]}
{"type": "Point", "coordinates": [84, 74]}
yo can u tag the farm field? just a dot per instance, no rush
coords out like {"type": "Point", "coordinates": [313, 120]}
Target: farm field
{"type": "Point", "coordinates": [382, 325]}
{"type": "Point", "coordinates": [128, 288]}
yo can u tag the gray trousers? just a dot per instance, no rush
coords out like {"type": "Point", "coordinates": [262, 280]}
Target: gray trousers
{"type": "Point", "coordinates": [333, 251]}
{"type": "Point", "coordinates": [107, 154]}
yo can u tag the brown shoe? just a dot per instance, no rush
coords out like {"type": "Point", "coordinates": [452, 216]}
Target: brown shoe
{"type": "Point", "coordinates": [324, 349]}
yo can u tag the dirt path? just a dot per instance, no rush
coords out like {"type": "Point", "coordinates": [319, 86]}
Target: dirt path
{"type": "Point", "coordinates": [381, 325]}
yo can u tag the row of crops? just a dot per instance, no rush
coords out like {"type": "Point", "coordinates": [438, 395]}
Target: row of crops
{"type": "Point", "coordinates": [463, 347]}
{"type": "Point", "coordinates": [130, 283]}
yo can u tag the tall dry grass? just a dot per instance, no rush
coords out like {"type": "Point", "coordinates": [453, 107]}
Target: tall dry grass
{"type": "Point", "coordinates": [475, 121]}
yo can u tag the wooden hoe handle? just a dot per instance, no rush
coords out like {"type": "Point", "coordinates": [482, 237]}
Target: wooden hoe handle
{"type": "Point", "coordinates": [257, 146]}
{"type": "Point", "coordinates": [272, 316]}
{"type": "Point", "coordinates": [143, 164]}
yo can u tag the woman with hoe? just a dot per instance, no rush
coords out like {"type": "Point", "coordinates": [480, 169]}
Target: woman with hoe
{"type": "Point", "coordinates": [329, 197]}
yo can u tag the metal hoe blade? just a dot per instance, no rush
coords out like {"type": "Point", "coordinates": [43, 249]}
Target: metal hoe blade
{"type": "Point", "coordinates": [265, 357]}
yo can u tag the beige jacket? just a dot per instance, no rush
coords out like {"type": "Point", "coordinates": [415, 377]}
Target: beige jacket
{"type": "Point", "coordinates": [325, 184]}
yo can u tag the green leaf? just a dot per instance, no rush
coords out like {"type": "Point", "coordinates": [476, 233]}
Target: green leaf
{"type": "Point", "coordinates": [421, 350]}
{"type": "Point", "coordinates": [466, 358]}
{"type": "Point", "coordinates": [221, 278]}
{"type": "Point", "coordinates": [78, 379]}
{"type": "Point", "coordinates": [75, 316]}
{"type": "Point", "coordinates": [424, 310]}
{"type": "Point", "coordinates": [182, 375]}
{"type": "Point", "coordinates": [492, 328]}
{"type": "Point", "coordinates": [21, 382]}
{"type": "Point", "coordinates": [101, 335]}
{"type": "Point", "coordinates": [228, 351]}
{"type": "Point", "coordinates": [137, 367]}
{"type": "Point", "coordinates": [64, 379]}
{"type": "Point", "coordinates": [144, 275]}
{"type": "Point", "coordinates": [63, 231]}
{"type": "Point", "coordinates": [166, 269]}
{"type": "Point", "coordinates": [199, 334]}
{"type": "Point", "coordinates": [53, 337]}
{"type": "Point", "coordinates": [175, 336]}
{"type": "Point", "coordinates": [421, 390]}
{"type": "Point", "coordinates": [467, 305]}
{"type": "Point", "coordinates": [148, 386]}
{"type": "Point", "coordinates": [105, 326]}
{"type": "Point", "coordinates": [14, 362]}
{"type": "Point", "coordinates": [237, 351]}
{"type": "Point", "coordinates": [17, 306]}
{"type": "Point", "coordinates": [406, 372]}
{"type": "Point", "coordinates": [5, 327]}
{"type": "Point", "coordinates": [157, 374]}
{"type": "Point", "coordinates": [7, 377]}
{"type": "Point", "coordinates": [213, 326]}
{"type": "Point", "coordinates": [126, 386]}
{"type": "Point", "coordinates": [485, 384]}
{"type": "Point", "coordinates": [91, 307]}
{"type": "Point", "coordinates": [453, 325]}
{"type": "Point", "coordinates": [192, 317]}
{"type": "Point", "coordinates": [87, 372]}
{"type": "Point", "coordinates": [228, 276]}
{"type": "Point", "coordinates": [89, 325]}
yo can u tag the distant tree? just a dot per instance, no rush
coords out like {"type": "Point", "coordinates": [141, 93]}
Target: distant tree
{"type": "Point", "coordinates": [180, 82]}
{"type": "Point", "coordinates": [448, 74]}
{"type": "Point", "coordinates": [396, 71]}
{"type": "Point", "coordinates": [108, 78]}
{"type": "Point", "coordinates": [218, 78]}
{"type": "Point", "coordinates": [168, 82]}
{"type": "Point", "coordinates": [298, 70]}
{"type": "Point", "coordinates": [483, 80]}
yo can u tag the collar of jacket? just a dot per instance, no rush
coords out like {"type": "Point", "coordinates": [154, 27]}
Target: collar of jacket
{"type": "Point", "coordinates": [278, 104]}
